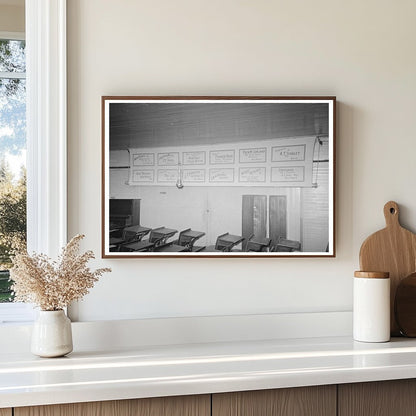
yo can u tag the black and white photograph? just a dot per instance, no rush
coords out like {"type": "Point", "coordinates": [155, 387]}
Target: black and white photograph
{"type": "Point", "coordinates": [218, 176]}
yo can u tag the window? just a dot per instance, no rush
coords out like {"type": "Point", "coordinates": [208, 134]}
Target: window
{"type": "Point", "coordinates": [12, 155]}
{"type": "Point", "coordinates": [46, 134]}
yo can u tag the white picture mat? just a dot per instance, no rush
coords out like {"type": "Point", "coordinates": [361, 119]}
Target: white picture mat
{"type": "Point", "coordinates": [331, 144]}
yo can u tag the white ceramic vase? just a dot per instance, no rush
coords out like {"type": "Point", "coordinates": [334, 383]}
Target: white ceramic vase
{"type": "Point", "coordinates": [52, 334]}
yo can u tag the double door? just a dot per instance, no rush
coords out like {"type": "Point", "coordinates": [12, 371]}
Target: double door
{"type": "Point", "coordinates": [264, 220]}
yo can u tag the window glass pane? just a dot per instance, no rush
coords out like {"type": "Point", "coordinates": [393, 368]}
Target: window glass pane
{"type": "Point", "coordinates": [12, 56]}
{"type": "Point", "coordinates": [12, 163]}
{"type": "Point", "coordinates": [13, 121]}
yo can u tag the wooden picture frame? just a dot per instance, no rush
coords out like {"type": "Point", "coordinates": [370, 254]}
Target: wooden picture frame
{"type": "Point", "coordinates": [218, 176]}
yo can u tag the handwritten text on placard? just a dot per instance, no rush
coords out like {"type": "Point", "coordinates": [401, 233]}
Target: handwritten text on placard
{"type": "Point", "coordinates": [143, 159]}
{"type": "Point", "coordinates": [221, 175]}
{"type": "Point", "coordinates": [168, 159]}
{"type": "Point", "coordinates": [288, 153]}
{"type": "Point", "coordinates": [193, 158]}
{"type": "Point", "coordinates": [167, 175]}
{"type": "Point", "coordinates": [143, 175]}
{"type": "Point", "coordinates": [253, 155]}
{"type": "Point", "coordinates": [218, 157]}
{"type": "Point", "coordinates": [194, 175]}
{"type": "Point", "coordinates": [288, 174]}
{"type": "Point", "coordinates": [252, 174]}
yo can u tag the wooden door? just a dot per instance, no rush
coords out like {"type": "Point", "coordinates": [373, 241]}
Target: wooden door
{"type": "Point", "coordinates": [5, 412]}
{"type": "Point", "coordinates": [277, 217]}
{"type": "Point", "coordinates": [381, 398]}
{"type": "Point", "coordinates": [160, 406]}
{"type": "Point", "coordinates": [254, 217]}
{"type": "Point", "coordinates": [300, 401]}
{"type": "Point", "coordinates": [135, 211]}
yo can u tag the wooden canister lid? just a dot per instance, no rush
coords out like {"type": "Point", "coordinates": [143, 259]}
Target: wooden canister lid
{"type": "Point", "coordinates": [372, 275]}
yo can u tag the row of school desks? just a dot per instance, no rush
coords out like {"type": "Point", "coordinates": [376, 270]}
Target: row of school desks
{"type": "Point", "coordinates": [158, 242]}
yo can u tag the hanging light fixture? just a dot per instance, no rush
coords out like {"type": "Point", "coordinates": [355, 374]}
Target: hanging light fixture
{"type": "Point", "coordinates": [179, 182]}
{"type": "Point", "coordinates": [319, 141]}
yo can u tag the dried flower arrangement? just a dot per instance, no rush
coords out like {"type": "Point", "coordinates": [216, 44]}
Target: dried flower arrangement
{"type": "Point", "coordinates": [52, 285]}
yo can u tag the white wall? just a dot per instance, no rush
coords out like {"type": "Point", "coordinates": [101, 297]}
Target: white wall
{"type": "Point", "coordinates": [207, 208]}
{"type": "Point", "coordinates": [361, 51]}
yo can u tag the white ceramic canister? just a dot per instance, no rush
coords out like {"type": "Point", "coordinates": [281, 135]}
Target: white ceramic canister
{"type": "Point", "coordinates": [371, 309]}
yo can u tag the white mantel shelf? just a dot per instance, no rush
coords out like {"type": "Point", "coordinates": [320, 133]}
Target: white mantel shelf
{"type": "Point", "coordinates": [148, 371]}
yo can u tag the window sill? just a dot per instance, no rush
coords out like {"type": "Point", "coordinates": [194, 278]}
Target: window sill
{"type": "Point", "coordinates": [16, 313]}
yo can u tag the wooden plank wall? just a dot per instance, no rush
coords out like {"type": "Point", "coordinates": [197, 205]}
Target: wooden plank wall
{"type": "Point", "coordinates": [315, 211]}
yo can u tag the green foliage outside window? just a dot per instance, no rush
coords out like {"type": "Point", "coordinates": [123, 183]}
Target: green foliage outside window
{"type": "Point", "coordinates": [12, 224]}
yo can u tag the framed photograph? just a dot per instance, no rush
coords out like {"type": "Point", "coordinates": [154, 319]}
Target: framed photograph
{"type": "Point", "coordinates": [218, 177]}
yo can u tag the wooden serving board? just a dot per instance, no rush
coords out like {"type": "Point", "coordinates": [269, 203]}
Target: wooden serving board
{"type": "Point", "coordinates": [392, 250]}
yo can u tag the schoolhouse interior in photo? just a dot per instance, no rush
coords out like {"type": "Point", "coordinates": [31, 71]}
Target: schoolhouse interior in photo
{"type": "Point", "coordinates": [216, 177]}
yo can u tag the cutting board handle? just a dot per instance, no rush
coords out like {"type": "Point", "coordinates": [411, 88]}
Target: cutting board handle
{"type": "Point", "coordinates": [391, 214]}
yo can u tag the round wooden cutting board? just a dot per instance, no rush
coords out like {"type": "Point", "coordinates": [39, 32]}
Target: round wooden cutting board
{"type": "Point", "coordinates": [392, 250]}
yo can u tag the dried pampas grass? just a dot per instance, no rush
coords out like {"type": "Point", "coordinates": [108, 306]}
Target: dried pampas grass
{"type": "Point", "coordinates": [53, 285]}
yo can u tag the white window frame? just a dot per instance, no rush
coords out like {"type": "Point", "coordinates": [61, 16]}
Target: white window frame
{"type": "Point", "coordinates": [46, 125]}
{"type": "Point", "coordinates": [12, 35]}
{"type": "Point", "coordinates": [46, 134]}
